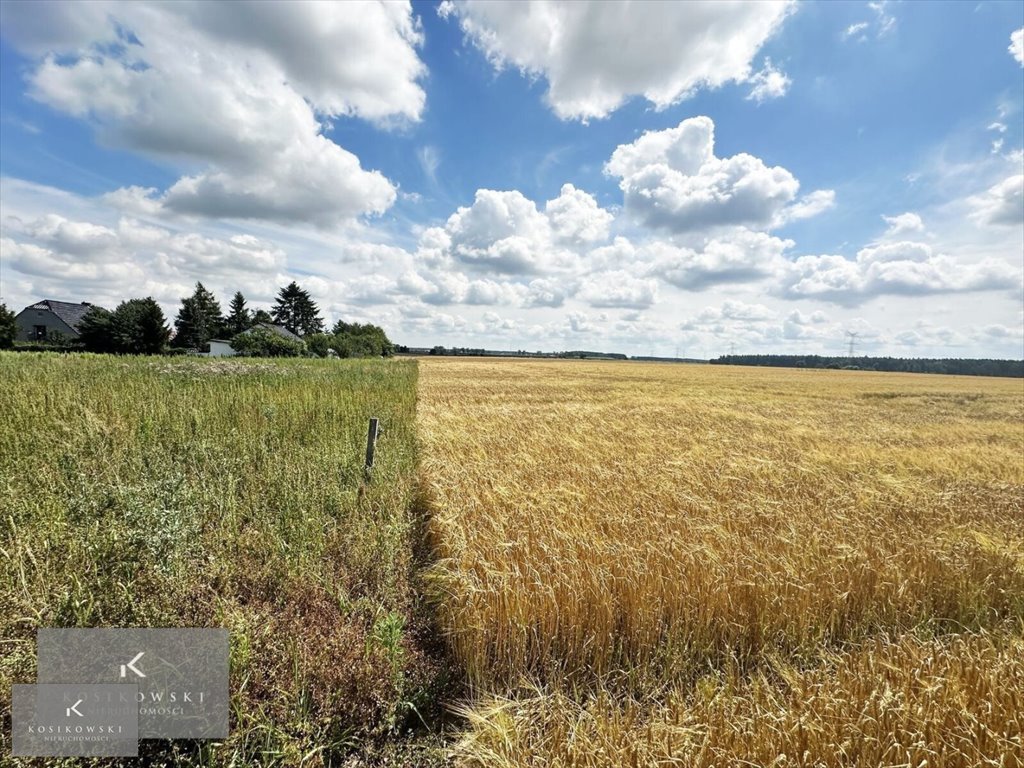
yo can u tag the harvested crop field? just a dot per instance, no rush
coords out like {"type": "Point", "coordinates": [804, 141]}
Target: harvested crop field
{"type": "Point", "coordinates": [643, 564]}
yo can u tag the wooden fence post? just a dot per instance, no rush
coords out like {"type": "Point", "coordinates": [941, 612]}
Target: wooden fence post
{"type": "Point", "coordinates": [371, 445]}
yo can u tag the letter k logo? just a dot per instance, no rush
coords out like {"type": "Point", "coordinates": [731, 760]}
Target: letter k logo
{"type": "Point", "coordinates": [73, 708]}
{"type": "Point", "coordinates": [131, 665]}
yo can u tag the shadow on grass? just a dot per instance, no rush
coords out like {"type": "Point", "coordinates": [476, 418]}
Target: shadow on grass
{"type": "Point", "coordinates": [448, 683]}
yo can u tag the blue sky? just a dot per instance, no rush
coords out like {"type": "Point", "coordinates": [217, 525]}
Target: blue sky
{"type": "Point", "coordinates": [764, 176]}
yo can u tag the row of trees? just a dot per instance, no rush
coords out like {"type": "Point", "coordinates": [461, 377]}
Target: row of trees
{"type": "Point", "coordinates": [139, 326]}
{"type": "Point", "coordinates": [351, 340]}
{"type": "Point", "coordinates": [957, 366]}
{"type": "Point", "coordinates": [480, 352]}
{"type": "Point", "coordinates": [200, 318]}
{"type": "Point", "coordinates": [344, 340]}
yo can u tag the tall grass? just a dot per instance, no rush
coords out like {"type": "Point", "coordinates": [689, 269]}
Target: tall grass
{"type": "Point", "coordinates": [632, 527]}
{"type": "Point", "coordinates": [173, 492]}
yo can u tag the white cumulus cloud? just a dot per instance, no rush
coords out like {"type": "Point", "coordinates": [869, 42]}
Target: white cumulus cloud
{"type": "Point", "coordinates": [457, 288]}
{"type": "Point", "coordinates": [596, 55]}
{"type": "Point", "coordinates": [903, 223]}
{"type": "Point", "coordinates": [106, 264]}
{"type": "Point", "coordinates": [730, 310]}
{"type": "Point", "coordinates": [743, 257]}
{"type": "Point", "coordinates": [504, 232]}
{"type": "Point", "coordinates": [619, 289]}
{"type": "Point", "coordinates": [903, 268]}
{"type": "Point", "coordinates": [1017, 45]}
{"type": "Point", "coordinates": [576, 218]}
{"type": "Point", "coordinates": [672, 180]}
{"type": "Point", "coordinates": [1002, 204]}
{"type": "Point", "coordinates": [807, 206]}
{"type": "Point", "coordinates": [238, 94]}
{"type": "Point", "coordinates": [547, 292]}
{"type": "Point", "coordinates": [769, 83]}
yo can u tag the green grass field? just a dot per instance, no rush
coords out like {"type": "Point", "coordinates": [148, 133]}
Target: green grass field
{"type": "Point", "coordinates": [188, 492]}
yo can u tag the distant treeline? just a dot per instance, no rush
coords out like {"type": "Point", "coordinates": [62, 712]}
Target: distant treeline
{"type": "Point", "coordinates": [656, 359]}
{"type": "Point", "coordinates": [956, 366]}
{"type": "Point", "coordinates": [480, 352]}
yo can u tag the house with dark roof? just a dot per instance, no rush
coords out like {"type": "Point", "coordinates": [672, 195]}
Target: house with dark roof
{"type": "Point", "coordinates": [49, 320]}
{"type": "Point", "coordinates": [280, 330]}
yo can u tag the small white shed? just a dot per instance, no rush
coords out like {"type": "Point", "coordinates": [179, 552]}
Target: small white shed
{"type": "Point", "coordinates": [220, 348]}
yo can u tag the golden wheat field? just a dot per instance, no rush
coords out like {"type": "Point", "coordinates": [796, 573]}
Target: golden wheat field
{"type": "Point", "coordinates": [654, 565]}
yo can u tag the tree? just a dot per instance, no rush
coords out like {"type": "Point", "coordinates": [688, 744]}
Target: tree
{"type": "Point", "coordinates": [320, 344]}
{"type": "Point", "coordinates": [260, 342]}
{"type": "Point", "coordinates": [136, 327]}
{"type": "Point", "coordinates": [198, 320]}
{"type": "Point", "coordinates": [8, 328]}
{"type": "Point", "coordinates": [261, 316]}
{"type": "Point", "coordinates": [356, 340]}
{"type": "Point", "coordinates": [96, 331]}
{"type": "Point", "coordinates": [297, 312]}
{"type": "Point", "coordinates": [240, 319]}
{"type": "Point", "coordinates": [139, 327]}
{"type": "Point", "coordinates": [189, 325]}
